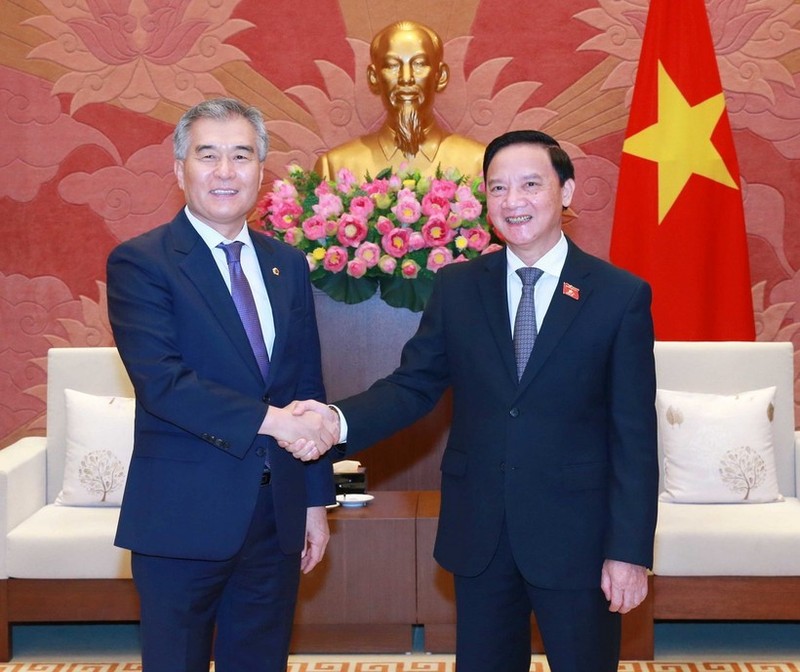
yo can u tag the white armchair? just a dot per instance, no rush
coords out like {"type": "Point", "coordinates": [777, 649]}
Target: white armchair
{"type": "Point", "coordinates": [717, 561]}
{"type": "Point", "coordinates": [58, 563]}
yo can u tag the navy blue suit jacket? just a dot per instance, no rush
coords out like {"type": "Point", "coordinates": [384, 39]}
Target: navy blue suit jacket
{"type": "Point", "coordinates": [566, 456]}
{"type": "Point", "coordinates": [200, 398]}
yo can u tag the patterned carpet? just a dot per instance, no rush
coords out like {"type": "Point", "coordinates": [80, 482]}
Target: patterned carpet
{"type": "Point", "coordinates": [414, 664]}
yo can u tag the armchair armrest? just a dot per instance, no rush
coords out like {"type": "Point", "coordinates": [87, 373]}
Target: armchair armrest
{"type": "Point", "coordinates": [797, 464]}
{"type": "Point", "coordinates": [23, 475]}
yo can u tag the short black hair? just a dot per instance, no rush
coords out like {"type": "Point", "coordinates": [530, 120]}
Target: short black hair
{"type": "Point", "coordinates": [559, 158]}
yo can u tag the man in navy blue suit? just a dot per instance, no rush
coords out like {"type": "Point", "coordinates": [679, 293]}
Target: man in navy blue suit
{"type": "Point", "coordinates": [549, 476]}
{"type": "Point", "coordinates": [220, 520]}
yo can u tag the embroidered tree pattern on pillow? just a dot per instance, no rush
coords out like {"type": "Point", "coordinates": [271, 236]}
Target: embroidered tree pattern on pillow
{"type": "Point", "coordinates": [742, 470]}
{"type": "Point", "coordinates": [101, 473]}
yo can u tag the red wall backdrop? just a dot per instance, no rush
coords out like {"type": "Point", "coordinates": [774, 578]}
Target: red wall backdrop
{"type": "Point", "coordinates": [90, 90]}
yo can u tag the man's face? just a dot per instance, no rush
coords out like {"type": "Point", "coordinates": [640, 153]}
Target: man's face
{"type": "Point", "coordinates": [406, 72]}
{"type": "Point", "coordinates": [221, 174]}
{"type": "Point", "coordinates": [524, 199]}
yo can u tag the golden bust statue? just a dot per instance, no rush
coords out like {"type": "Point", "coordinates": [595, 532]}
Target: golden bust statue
{"type": "Point", "coordinates": [407, 71]}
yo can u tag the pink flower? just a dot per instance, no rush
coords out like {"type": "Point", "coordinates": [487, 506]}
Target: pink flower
{"type": "Point", "coordinates": [284, 190]}
{"type": "Point", "coordinates": [263, 206]}
{"type": "Point", "coordinates": [331, 226]}
{"type": "Point", "coordinates": [370, 253]}
{"type": "Point", "coordinates": [387, 264]}
{"type": "Point", "coordinates": [477, 238]}
{"type": "Point", "coordinates": [409, 269]}
{"type": "Point", "coordinates": [383, 225]}
{"type": "Point", "coordinates": [335, 259]}
{"type": "Point", "coordinates": [416, 241]}
{"type": "Point", "coordinates": [395, 182]}
{"type": "Point", "coordinates": [293, 236]}
{"type": "Point", "coordinates": [408, 208]}
{"type": "Point", "coordinates": [352, 230]}
{"type": "Point", "coordinates": [436, 232]}
{"type": "Point", "coordinates": [435, 205]}
{"type": "Point", "coordinates": [466, 205]}
{"type": "Point", "coordinates": [314, 228]}
{"type": "Point", "coordinates": [284, 214]}
{"type": "Point", "coordinates": [376, 187]}
{"type": "Point", "coordinates": [438, 257]}
{"type": "Point", "coordinates": [396, 242]}
{"type": "Point", "coordinates": [330, 205]}
{"type": "Point", "coordinates": [345, 180]}
{"type": "Point", "coordinates": [460, 258]}
{"type": "Point", "coordinates": [356, 268]}
{"type": "Point", "coordinates": [362, 206]}
{"type": "Point", "coordinates": [323, 187]}
{"type": "Point", "coordinates": [443, 188]}
{"type": "Point", "coordinates": [494, 247]}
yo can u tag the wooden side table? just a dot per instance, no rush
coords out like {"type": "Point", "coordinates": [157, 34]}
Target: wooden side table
{"type": "Point", "coordinates": [361, 598]}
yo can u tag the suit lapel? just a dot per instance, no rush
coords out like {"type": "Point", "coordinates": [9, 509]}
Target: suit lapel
{"type": "Point", "coordinates": [199, 266]}
{"type": "Point", "coordinates": [562, 311]}
{"type": "Point", "coordinates": [493, 291]}
{"type": "Point", "coordinates": [275, 279]}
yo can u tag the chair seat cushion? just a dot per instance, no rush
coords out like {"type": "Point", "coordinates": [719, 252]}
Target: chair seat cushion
{"type": "Point", "coordinates": [60, 542]}
{"type": "Point", "coordinates": [728, 539]}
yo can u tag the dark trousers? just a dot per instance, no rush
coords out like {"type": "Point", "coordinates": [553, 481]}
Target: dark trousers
{"type": "Point", "coordinates": [249, 598]}
{"type": "Point", "coordinates": [493, 622]}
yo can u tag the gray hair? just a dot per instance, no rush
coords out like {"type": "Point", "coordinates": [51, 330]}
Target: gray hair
{"type": "Point", "coordinates": [219, 109]}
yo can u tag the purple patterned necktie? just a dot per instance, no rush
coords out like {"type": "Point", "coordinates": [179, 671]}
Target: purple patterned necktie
{"type": "Point", "coordinates": [245, 304]}
{"type": "Point", "coordinates": [525, 321]}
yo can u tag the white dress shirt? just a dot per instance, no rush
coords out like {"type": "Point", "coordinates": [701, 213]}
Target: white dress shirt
{"type": "Point", "coordinates": [551, 265]}
{"type": "Point", "coordinates": [251, 269]}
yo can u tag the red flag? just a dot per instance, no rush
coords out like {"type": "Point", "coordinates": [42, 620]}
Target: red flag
{"type": "Point", "coordinates": [679, 220]}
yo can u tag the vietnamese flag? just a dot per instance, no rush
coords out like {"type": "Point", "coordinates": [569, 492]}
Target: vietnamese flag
{"type": "Point", "coordinates": [679, 219]}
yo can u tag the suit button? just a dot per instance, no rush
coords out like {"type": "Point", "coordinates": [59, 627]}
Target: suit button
{"type": "Point", "coordinates": [265, 398]}
{"type": "Point", "coordinates": [220, 443]}
{"type": "Point", "coordinates": [514, 412]}
{"type": "Point", "coordinates": [502, 466]}
{"type": "Point", "coordinates": [261, 451]}
{"type": "Point", "coordinates": [205, 436]}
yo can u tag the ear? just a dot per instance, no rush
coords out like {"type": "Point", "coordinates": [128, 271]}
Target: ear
{"type": "Point", "coordinates": [177, 168]}
{"type": "Point", "coordinates": [444, 76]}
{"type": "Point", "coordinates": [372, 78]}
{"type": "Point", "coordinates": [567, 192]}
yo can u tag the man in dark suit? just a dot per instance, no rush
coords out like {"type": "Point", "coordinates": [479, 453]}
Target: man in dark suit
{"type": "Point", "coordinates": [549, 476]}
{"type": "Point", "coordinates": [220, 519]}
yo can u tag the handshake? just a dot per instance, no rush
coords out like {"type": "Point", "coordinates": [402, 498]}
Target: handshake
{"type": "Point", "coordinates": [306, 429]}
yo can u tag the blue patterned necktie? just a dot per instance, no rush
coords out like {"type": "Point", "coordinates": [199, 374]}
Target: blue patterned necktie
{"type": "Point", "coordinates": [245, 304]}
{"type": "Point", "coordinates": [525, 321]}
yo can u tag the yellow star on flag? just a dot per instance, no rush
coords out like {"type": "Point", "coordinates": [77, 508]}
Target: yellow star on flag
{"type": "Point", "coordinates": [680, 142]}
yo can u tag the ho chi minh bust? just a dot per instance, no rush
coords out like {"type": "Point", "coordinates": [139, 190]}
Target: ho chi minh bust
{"type": "Point", "coordinates": [407, 71]}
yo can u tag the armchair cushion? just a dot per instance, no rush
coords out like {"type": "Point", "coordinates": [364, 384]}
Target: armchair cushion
{"type": "Point", "coordinates": [99, 440]}
{"type": "Point", "coordinates": [718, 448]}
{"type": "Point", "coordinates": [68, 542]}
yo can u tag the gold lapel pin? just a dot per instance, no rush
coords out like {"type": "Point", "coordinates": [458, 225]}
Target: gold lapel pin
{"type": "Point", "coordinates": [276, 270]}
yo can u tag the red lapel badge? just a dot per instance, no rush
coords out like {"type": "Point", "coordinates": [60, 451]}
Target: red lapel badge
{"type": "Point", "coordinates": [571, 291]}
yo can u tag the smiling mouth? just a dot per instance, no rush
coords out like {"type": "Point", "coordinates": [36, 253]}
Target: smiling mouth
{"type": "Point", "coordinates": [519, 219]}
{"type": "Point", "coordinates": [224, 192]}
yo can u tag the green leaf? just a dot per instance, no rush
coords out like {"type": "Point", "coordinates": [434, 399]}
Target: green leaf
{"type": "Point", "coordinates": [403, 293]}
{"type": "Point", "coordinates": [343, 287]}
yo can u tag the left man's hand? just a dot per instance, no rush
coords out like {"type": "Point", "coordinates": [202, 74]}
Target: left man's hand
{"type": "Point", "coordinates": [624, 585]}
{"type": "Point", "coordinates": [317, 536]}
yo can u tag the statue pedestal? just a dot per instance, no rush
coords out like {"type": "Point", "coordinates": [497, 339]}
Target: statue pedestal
{"type": "Point", "coordinates": [360, 344]}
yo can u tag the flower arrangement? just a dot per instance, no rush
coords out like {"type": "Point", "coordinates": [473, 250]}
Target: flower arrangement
{"type": "Point", "coordinates": [392, 232]}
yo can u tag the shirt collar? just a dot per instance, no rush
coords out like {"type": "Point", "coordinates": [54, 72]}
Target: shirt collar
{"type": "Point", "coordinates": [212, 237]}
{"type": "Point", "coordinates": [552, 262]}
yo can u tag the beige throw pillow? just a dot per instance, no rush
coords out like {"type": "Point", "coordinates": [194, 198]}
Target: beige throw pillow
{"type": "Point", "coordinates": [99, 437]}
{"type": "Point", "coordinates": [717, 448]}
